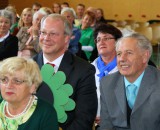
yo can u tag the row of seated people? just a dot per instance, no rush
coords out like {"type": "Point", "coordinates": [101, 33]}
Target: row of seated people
{"type": "Point", "coordinates": [104, 35]}
{"type": "Point", "coordinates": [27, 30]}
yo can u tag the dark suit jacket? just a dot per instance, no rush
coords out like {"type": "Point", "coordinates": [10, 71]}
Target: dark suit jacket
{"type": "Point", "coordinates": [9, 47]}
{"type": "Point", "coordinates": [145, 114]}
{"type": "Point", "coordinates": [80, 74]}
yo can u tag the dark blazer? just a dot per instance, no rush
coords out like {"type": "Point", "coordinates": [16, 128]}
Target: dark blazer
{"type": "Point", "coordinates": [80, 74]}
{"type": "Point", "coordinates": [145, 114]}
{"type": "Point", "coordinates": [9, 47]}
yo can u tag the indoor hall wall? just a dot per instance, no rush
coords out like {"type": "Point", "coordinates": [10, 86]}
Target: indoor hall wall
{"type": "Point", "coordinates": [21, 4]}
{"type": "Point", "coordinates": [139, 10]}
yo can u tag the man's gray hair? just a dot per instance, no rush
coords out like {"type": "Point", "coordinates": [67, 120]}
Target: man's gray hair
{"type": "Point", "coordinates": [143, 42]}
{"type": "Point", "coordinates": [42, 12]}
{"type": "Point", "coordinates": [70, 10]}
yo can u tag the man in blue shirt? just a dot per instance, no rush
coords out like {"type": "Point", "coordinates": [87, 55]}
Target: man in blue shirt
{"type": "Point", "coordinates": [130, 98]}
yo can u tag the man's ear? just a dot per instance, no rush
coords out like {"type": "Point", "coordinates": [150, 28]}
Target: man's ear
{"type": "Point", "coordinates": [67, 39]}
{"type": "Point", "coordinates": [146, 56]}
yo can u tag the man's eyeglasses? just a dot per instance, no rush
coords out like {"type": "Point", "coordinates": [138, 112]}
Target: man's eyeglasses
{"type": "Point", "coordinates": [14, 81]}
{"type": "Point", "coordinates": [51, 34]}
{"type": "Point", "coordinates": [105, 39]}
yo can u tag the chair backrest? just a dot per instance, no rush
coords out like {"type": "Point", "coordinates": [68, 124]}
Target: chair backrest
{"type": "Point", "coordinates": [143, 24]}
{"type": "Point", "coordinates": [155, 33]}
{"type": "Point", "coordinates": [146, 31]}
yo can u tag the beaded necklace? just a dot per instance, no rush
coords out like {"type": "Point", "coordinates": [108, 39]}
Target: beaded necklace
{"type": "Point", "coordinates": [29, 104]}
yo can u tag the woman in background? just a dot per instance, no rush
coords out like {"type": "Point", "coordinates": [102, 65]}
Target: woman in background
{"type": "Point", "coordinates": [23, 34]}
{"type": "Point", "coordinates": [87, 40]}
{"type": "Point", "coordinates": [105, 38]}
{"type": "Point", "coordinates": [8, 43]}
{"type": "Point", "coordinates": [74, 45]}
{"type": "Point", "coordinates": [56, 8]}
{"type": "Point", "coordinates": [100, 16]}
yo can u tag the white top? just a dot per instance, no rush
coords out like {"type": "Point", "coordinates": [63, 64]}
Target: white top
{"type": "Point", "coordinates": [98, 82]}
{"type": "Point", "coordinates": [56, 62]}
{"type": "Point", "coordinates": [4, 37]}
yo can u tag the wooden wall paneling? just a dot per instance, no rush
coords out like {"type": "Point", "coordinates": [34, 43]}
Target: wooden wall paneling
{"type": "Point", "coordinates": [145, 10]}
{"type": "Point", "coordinates": [3, 4]}
{"type": "Point", "coordinates": [154, 9]}
{"type": "Point", "coordinates": [139, 10]}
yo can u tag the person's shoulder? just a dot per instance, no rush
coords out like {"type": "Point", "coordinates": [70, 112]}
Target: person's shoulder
{"type": "Point", "coordinates": [44, 105]}
{"type": "Point", "coordinates": [151, 70]}
{"type": "Point", "coordinates": [81, 62]}
{"type": "Point", "coordinates": [94, 62]}
{"type": "Point", "coordinates": [36, 57]}
{"type": "Point", "coordinates": [113, 76]}
{"type": "Point", "coordinates": [12, 38]}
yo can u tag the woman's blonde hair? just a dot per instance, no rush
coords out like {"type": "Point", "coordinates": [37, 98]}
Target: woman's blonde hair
{"type": "Point", "coordinates": [21, 23]}
{"type": "Point", "coordinates": [28, 67]}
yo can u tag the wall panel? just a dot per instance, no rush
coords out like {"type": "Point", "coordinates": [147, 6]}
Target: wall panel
{"type": "Point", "coordinates": [140, 10]}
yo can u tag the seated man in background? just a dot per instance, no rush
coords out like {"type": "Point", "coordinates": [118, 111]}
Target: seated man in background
{"type": "Point", "coordinates": [36, 6]}
{"type": "Point", "coordinates": [130, 98]}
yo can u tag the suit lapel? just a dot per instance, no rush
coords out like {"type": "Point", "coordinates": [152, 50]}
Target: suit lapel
{"type": "Point", "coordinates": [145, 89]}
{"type": "Point", "coordinates": [39, 60]}
{"type": "Point", "coordinates": [66, 64]}
{"type": "Point", "coordinates": [120, 95]}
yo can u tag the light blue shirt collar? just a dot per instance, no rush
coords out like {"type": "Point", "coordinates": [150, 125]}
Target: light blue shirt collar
{"type": "Point", "coordinates": [137, 82]}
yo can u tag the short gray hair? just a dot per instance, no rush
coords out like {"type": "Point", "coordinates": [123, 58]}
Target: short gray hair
{"type": "Point", "coordinates": [42, 12]}
{"type": "Point", "coordinates": [67, 25]}
{"type": "Point", "coordinates": [143, 42]}
{"type": "Point", "coordinates": [70, 10]}
{"type": "Point", "coordinates": [7, 14]}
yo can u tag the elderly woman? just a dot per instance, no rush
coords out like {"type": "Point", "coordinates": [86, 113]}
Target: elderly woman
{"type": "Point", "coordinates": [105, 38]}
{"type": "Point", "coordinates": [20, 109]}
{"type": "Point", "coordinates": [8, 43]}
{"type": "Point", "coordinates": [33, 43]}
{"type": "Point", "coordinates": [74, 44]}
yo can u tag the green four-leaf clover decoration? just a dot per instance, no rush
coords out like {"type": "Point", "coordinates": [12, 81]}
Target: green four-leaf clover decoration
{"type": "Point", "coordinates": [61, 91]}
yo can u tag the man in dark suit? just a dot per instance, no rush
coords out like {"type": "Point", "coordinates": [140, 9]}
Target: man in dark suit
{"type": "Point", "coordinates": [54, 39]}
{"type": "Point", "coordinates": [122, 109]}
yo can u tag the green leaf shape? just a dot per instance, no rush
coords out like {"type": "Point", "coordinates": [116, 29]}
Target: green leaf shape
{"type": "Point", "coordinates": [62, 120]}
{"type": "Point", "coordinates": [68, 88]}
{"type": "Point", "coordinates": [70, 105]}
{"type": "Point", "coordinates": [61, 91]}
{"type": "Point", "coordinates": [60, 98]}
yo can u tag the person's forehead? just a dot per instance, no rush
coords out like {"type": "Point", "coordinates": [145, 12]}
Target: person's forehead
{"type": "Point", "coordinates": [104, 34]}
{"type": "Point", "coordinates": [4, 18]}
{"type": "Point", "coordinates": [128, 43]}
{"type": "Point", "coordinates": [56, 5]}
{"type": "Point", "coordinates": [67, 13]}
{"type": "Point", "coordinates": [53, 19]}
{"type": "Point", "coordinates": [51, 23]}
{"type": "Point", "coordinates": [35, 6]}
{"type": "Point", "coordinates": [27, 12]}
